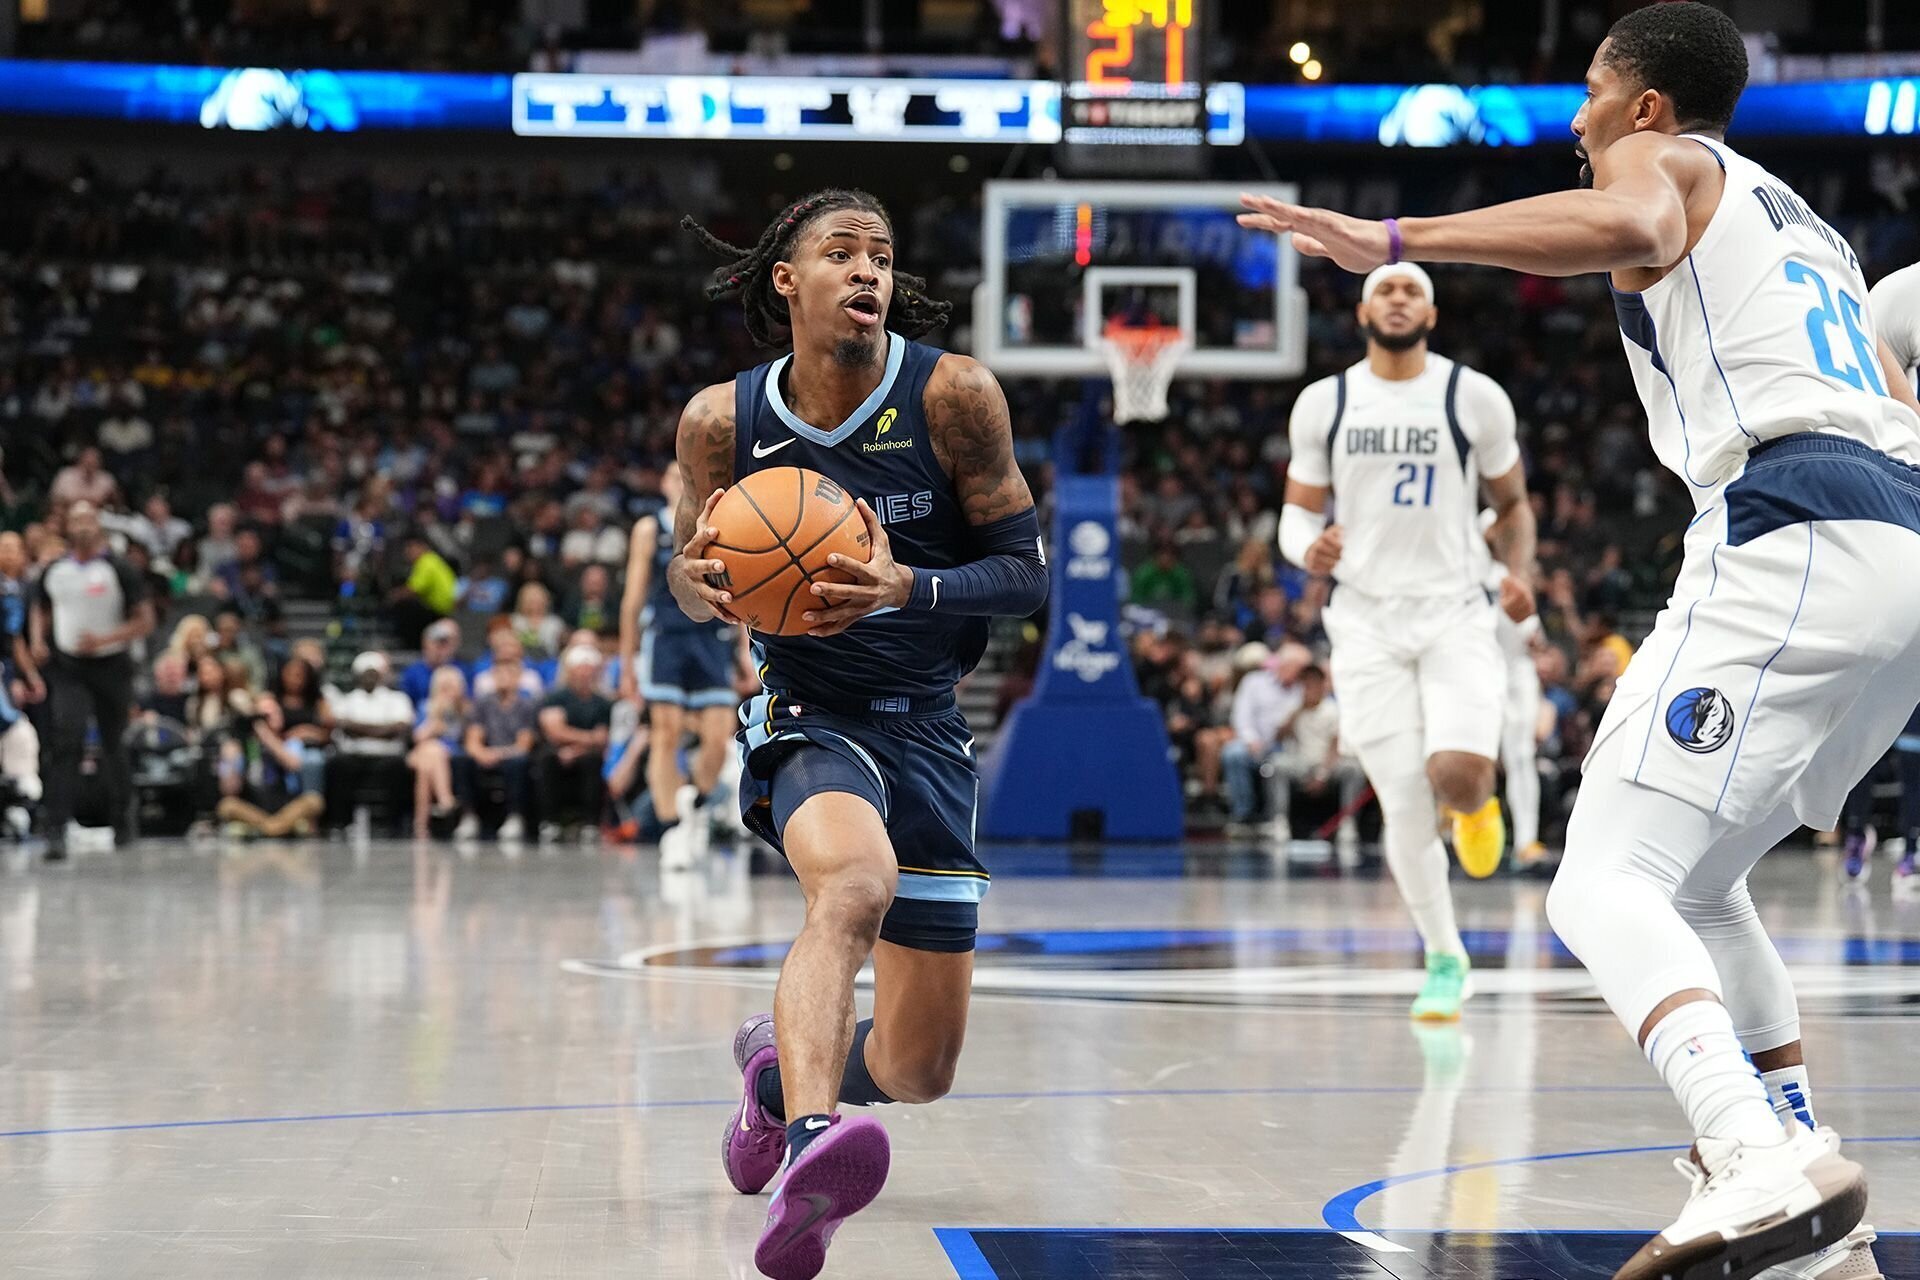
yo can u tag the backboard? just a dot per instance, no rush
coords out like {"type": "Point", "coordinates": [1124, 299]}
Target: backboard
{"type": "Point", "coordinates": [1059, 259]}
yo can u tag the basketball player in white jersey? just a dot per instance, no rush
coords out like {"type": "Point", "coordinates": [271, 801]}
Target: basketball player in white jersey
{"type": "Point", "coordinates": [1789, 655]}
{"type": "Point", "coordinates": [1404, 442]}
{"type": "Point", "coordinates": [1520, 725]}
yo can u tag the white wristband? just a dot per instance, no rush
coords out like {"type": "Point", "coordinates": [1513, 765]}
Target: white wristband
{"type": "Point", "coordinates": [1299, 529]}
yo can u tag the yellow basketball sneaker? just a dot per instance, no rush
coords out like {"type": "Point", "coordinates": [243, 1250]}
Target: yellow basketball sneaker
{"type": "Point", "coordinates": [1480, 839]}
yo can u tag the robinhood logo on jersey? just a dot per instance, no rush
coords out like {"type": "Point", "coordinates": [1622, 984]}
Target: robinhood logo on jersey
{"type": "Point", "coordinates": [880, 443]}
{"type": "Point", "coordinates": [1091, 546]}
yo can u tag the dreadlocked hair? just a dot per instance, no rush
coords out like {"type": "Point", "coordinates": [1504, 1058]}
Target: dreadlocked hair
{"type": "Point", "coordinates": [748, 274]}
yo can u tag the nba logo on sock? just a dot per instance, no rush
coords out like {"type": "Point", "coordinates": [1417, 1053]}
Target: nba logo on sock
{"type": "Point", "coordinates": [1700, 720]}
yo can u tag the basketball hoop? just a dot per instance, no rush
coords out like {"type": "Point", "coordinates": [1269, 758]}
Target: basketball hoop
{"type": "Point", "coordinates": [1141, 359]}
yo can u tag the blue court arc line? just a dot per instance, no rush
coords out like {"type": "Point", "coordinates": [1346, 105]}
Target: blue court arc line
{"type": "Point", "coordinates": [1062, 1095]}
{"type": "Point", "coordinates": [1342, 1212]}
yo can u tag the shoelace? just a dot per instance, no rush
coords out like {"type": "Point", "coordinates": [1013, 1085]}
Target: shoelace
{"type": "Point", "coordinates": [1697, 1178]}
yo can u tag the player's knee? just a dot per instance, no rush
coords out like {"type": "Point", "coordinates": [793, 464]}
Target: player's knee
{"type": "Point", "coordinates": [1716, 914]}
{"type": "Point", "coordinates": [1461, 781]}
{"type": "Point", "coordinates": [852, 903]}
{"type": "Point", "coordinates": [928, 1078]}
{"type": "Point", "coordinates": [1568, 909]}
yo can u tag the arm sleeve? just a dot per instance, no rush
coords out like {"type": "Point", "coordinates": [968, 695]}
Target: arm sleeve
{"type": "Point", "coordinates": [1486, 415]}
{"type": "Point", "coordinates": [1895, 304]}
{"type": "Point", "coordinates": [1009, 581]}
{"type": "Point", "coordinates": [1307, 430]}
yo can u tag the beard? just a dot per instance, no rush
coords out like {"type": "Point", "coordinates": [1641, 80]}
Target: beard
{"type": "Point", "coordinates": [1586, 169]}
{"type": "Point", "coordinates": [855, 353]}
{"type": "Point", "coordinates": [1398, 341]}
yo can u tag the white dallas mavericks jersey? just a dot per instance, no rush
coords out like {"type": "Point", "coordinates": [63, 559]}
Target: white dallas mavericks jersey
{"type": "Point", "coordinates": [1896, 318]}
{"type": "Point", "coordinates": [1762, 332]}
{"type": "Point", "coordinates": [1404, 460]}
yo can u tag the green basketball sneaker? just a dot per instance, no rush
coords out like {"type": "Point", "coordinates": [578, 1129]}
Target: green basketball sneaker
{"type": "Point", "coordinates": [1447, 987]}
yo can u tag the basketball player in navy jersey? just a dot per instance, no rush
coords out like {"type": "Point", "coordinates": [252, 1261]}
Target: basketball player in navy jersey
{"type": "Point", "coordinates": [858, 765]}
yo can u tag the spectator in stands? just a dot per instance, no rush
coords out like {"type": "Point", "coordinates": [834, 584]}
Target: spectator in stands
{"type": "Point", "coordinates": [85, 480]}
{"type": "Point", "coordinates": [427, 595]}
{"type": "Point", "coordinates": [220, 546]}
{"type": "Point", "coordinates": [235, 645]}
{"type": "Point", "coordinates": [156, 528]}
{"type": "Point", "coordinates": [486, 589]}
{"type": "Point", "coordinates": [1195, 729]}
{"type": "Point", "coordinates": [541, 632]}
{"type": "Point", "coordinates": [372, 726]}
{"type": "Point", "coordinates": [1236, 589]}
{"type": "Point", "coordinates": [590, 539]}
{"type": "Point", "coordinates": [1264, 701]}
{"type": "Point", "coordinates": [1310, 761]}
{"type": "Point", "coordinates": [500, 741]}
{"type": "Point", "coordinates": [574, 724]}
{"type": "Point", "coordinates": [439, 740]}
{"type": "Point", "coordinates": [439, 647]}
{"type": "Point", "coordinates": [171, 695]}
{"type": "Point", "coordinates": [1165, 583]}
{"type": "Point", "coordinates": [1272, 622]}
{"type": "Point", "coordinates": [299, 713]}
{"type": "Point", "coordinates": [192, 640]}
{"type": "Point", "coordinates": [593, 607]}
{"type": "Point", "coordinates": [503, 650]}
{"type": "Point", "coordinates": [247, 572]}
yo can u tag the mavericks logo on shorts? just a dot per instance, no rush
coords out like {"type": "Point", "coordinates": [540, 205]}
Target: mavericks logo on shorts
{"type": "Point", "coordinates": [1700, 720]}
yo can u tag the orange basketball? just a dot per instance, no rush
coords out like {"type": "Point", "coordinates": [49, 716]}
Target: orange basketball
{"type": "Point", "coordinates": [776, 530]}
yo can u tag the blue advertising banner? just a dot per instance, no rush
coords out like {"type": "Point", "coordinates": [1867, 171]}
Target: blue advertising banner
{"type": "Point", "coordinates": [839, 108]}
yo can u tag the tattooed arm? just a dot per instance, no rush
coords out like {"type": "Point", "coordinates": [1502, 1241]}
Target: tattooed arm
{"type": "Point", "coordinates": [972, 436]}
{"type": "Point", "coordinates": [705, 451]}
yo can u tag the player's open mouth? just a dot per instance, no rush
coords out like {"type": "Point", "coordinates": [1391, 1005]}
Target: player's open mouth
{"type": "Point", "coordinates": [864, 308]}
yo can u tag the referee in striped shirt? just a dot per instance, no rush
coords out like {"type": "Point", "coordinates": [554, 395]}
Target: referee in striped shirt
{"type": "Point", "coordinates": [88, 610]}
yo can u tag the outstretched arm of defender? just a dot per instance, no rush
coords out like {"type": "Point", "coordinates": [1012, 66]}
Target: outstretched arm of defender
{"type": "Point", "coordinates": [972, 434]}
{"type": "Point", "coordinates": [1635, 216]}
{"type": "Point", "coordinates": [705, 449]}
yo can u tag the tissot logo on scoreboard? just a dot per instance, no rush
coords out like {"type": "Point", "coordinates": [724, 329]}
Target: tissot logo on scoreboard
{"type": "Point", "coordinates": [1134, 73]}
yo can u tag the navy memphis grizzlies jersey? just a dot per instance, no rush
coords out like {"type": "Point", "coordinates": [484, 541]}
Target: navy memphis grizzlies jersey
{"type": "Point", "coordinates": [660, 611]}
{"type": "Point", "coordinates": [882, 453]}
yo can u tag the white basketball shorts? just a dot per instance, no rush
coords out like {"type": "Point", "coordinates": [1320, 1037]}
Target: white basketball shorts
{"type": "Point", "coordinates": [1414, 675]}
{"type": "Point", "coordinates": [1788, 658]}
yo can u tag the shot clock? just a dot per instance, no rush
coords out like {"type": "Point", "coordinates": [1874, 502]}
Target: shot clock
{"type": "Point", "coordinates": [1134, 77]}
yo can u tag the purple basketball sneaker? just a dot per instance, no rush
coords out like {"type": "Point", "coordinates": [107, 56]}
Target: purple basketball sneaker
{"type": "Point", "coordinates": [838, 1174]}
{"type": "Point", "coordinates": [755, 1142]}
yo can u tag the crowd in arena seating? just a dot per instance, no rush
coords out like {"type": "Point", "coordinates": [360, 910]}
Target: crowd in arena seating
{"type": "Point", "coordinates": [445, 401]}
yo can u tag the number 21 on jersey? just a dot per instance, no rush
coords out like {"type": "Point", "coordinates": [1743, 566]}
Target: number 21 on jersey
{"type": "Point", "coordinates": [1411, 491]}
{"type": "Point", "coordinates": [1822, 318]}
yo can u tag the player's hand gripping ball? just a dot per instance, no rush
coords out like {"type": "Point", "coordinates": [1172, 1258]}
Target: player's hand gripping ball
{"type": "Point", "coordinates": [774, 532]}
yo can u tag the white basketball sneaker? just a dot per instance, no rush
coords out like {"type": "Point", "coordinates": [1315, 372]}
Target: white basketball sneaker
{"type": "Point", "coordinates": [1754, 1207]}
{"type": "Point", "coordinates": [1851, 1259]}
{"type": "Point", "coordinates": [693, 820]}
{"type": "Point", "coordinates": [675, 853]}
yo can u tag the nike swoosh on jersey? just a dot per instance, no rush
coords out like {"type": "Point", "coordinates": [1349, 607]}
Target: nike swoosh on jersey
{"type": "Point", "coordinates": [770, 450]}
{"type": "Point", "coordinates": [936, 593]}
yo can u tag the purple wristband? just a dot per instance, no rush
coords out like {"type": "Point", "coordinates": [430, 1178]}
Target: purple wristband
{"type": "Point", "coordinates": [1395, 245]}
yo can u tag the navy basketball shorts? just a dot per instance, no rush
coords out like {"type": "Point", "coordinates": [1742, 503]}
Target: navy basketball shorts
{"type": "Point", "coordinates": [687, 667]}
{"type": "Point", "coordinates": [917, 771]}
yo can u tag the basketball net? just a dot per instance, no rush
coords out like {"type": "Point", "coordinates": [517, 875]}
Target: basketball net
{"type": "Point", "coordinates": [1142, 359]}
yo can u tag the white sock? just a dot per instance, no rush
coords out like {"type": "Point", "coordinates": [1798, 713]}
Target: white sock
{"type": "Point", "coordinates": [1696, 1053]}
{"type": "Point", "coordinates": [1790, 1094]}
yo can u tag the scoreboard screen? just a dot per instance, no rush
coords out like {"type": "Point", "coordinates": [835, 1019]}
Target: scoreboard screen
{"type": "Point", "coordinates": [1134, 73]}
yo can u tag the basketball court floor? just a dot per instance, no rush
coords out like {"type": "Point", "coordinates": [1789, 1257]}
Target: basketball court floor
{"type": "Point", "coordinates": [327, 1061]}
